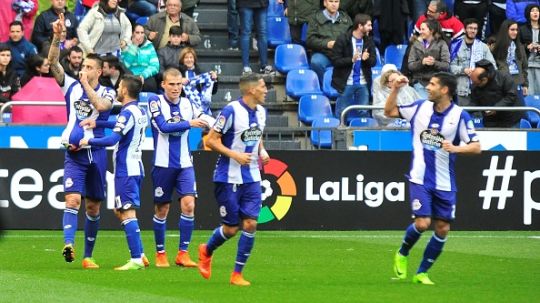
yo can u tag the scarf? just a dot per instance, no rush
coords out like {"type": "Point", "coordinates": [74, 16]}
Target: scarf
{"type": "Point", "coordinates": [200, 99]}
{"type": "Point", "coordinates": [511, 59]}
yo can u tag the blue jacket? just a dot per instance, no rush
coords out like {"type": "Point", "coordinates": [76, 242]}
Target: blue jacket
{"type": "Point", "coordinates": [20, 52]}
{"type": "Point", "coordinates": [43, 26]}
{"type": "Point", "coordinates": [515, 9]}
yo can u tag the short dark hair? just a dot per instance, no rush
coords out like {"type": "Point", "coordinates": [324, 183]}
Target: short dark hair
{"type": "Point", "coordinates": [133, 84]}
{"type": "Point", "coordinates": [360, 19]}
{"type": "Point", "coordinates": [470, 21]}
{"type": "Point", "coordinates": [489, 69]}
{"type": "Point", "coordinates": [175, 30]}
{"type": "Point", "coordinates": [248, 80]}
{"type": "Point", "coordinates": [4, 47]}
{"type": "Point", "coordinates": [96, 58]}
{"type": "Point", "coordinates": [449, 80]}
{"type": "Point", "coordinates": [113, 61]}
{"type": "Point", "coordinates": [15, 23]}
{"type": "Point", "coordinates": [74, 49]}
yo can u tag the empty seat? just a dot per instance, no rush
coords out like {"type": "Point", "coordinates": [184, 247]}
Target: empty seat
{"type": "Point", "coordinates": [328, 89]}
{"type": "Point", "coordinates": [363, 122]}
{"type": "Point", "coordinates": [394, 54]}
{"type": "Point", "coordinates": [311, 107]}
{"type": "Point", "coordinates": [524, 124]}
{"type": "Point", "coordinates": [321, 135]}
{"type": "Point", "coordinates": [301, 82]}
{"type": "Point", "coordinates": [144, 96]}
{"type": "Point", "coordinates": [278, 31]}
{"type": "Point", "coordinates": [478, 122]}
{"type": "Point", "coordinates": [533, 101]}
{"type": "Point", "coordinates": [290, 56]}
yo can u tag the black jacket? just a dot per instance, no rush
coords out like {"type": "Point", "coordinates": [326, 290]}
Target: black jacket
{"type": "Point", "coordinates": [341, 56]}
{"type": "Point", "coordinates": [499, 91]}
{"type": "Point", "coordinates": [43, 27]}
{"type": "Point", "coordinates": [9, 85]}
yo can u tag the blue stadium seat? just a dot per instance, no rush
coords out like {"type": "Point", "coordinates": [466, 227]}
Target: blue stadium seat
{"type": "Point", "coordinates": [144, 96]}
{"type": "Point", "coordinates": [478, 122]}
{"type": "Point", "coordinates": [142, 20]}
{"type": "Point", "coordinates": [302, 82]}
{"type": "Point", "coordinates": [290, 56]}
{"type": "Point", "coordinates": [394, 54]}
{"type": "Point", "coordinates": [327, 87]}
{"type": "Point", "coordinates": [363, 122]}
{"type": "Point", "coordinates": [311, 107]}
{"type": "Point", "coordinates": [275, 9]}
{"type": "Point", "coordinates": [379, 63]}
{"type": "Point", "coordinates": [323, 138]}
{"type": "Point", "coordinates": [524, 124]}
{"type": "Point", "coordinates": [534, 101]}
{"type": "Point", "coordinates": [278, 31]}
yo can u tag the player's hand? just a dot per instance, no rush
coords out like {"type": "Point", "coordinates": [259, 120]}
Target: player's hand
{"type": "Point", "coordinates": [399, 82]}
{"type": "Point", "coordinates": [198, 123]}
{"type": "Point", "coordinates": [88, 123]}
{"type": "Point", "coordinates": [83, 77]}
{"type": "Point", "coordinates": [265, 158]}
{"type": "Point", "coordinates": [71, 147]}
{"type": "Point", "coordinates": [243, 158]}
{"type": "Point", "coordinates": [83, 142]}
{"type": "Point", "coordinates": [448, 146]}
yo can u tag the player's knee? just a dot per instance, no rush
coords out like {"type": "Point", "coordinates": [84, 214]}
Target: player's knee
{"type": "Point", "coordinates": [187, 204]}
{"type": "Point", "coordinates": [422, 224]}
{"type": "Point", "coordinates": [162, 210]}
{"type": "Point", "coordinates": [230, 231]}
{"type": "Point", "coordinates": [249, 225]}
{"type": "Point", "coordinates": [442, 228]}
{"type": "Point", "coordinates": [92, 209]}
{"type": "Point", "coordinates": [73, 201]}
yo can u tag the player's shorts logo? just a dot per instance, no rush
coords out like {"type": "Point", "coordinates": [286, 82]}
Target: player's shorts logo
{"type": "Point", "coordinates": [68, 183]}
{"type": "Point", "coordinates": [284, 196]}
{"type": "Point", "coordinates": [223, 211]}
{"type": "Point", "coordinates": [416, 205]}
{"type": "Point", "coordinates": [158, 192]}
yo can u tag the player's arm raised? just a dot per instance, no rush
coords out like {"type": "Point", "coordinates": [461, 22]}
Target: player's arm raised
{"type": "Point", "coordinates": [54, 52]}
{"type": "Point", "coordinates": [391, 108]}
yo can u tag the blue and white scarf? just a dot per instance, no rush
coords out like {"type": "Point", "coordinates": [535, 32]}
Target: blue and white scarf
{"type": "Point", "coordinates": [200, 99]}
{"type": "Point", "coordinates": [511, 59]}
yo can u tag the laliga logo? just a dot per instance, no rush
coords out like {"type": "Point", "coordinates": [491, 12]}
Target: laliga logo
{"type": "Point", "coordinates": [287, 188]}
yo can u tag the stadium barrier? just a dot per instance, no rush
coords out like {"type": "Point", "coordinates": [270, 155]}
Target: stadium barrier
{"type": "Point", "coordinates": [302, 190]}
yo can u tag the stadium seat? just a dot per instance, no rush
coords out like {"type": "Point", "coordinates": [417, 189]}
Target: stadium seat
{"type": "Point", "coordinates": [275, 9]}
{"type": "Point", "coordinates": [379, 63]}
{"type": "Point", "coordinates": [478, 122]}
{"type": "Point", "coordinates": [290, 56]}
{"type": "Point", "coordinates": [144, 96]}
{"type": "Point", "coordinates": [303, 35]}
{"type": "Point", "coordinates": [394, 54]}
{"type": "Point", "coordinates": [533, 101]}
{"type": "Point", "coordinates": [311, 107]}
{"type": "Point", "coordinates": [320, 137]}
{"type": "Point", "coordinates": [301, 82]}
{"type": "Point", "coordinates": [278, 31]}
{"type": "Point", "coordinates": [363, 122]}
{"type": "Point", "coordinates": [327, 88]}
{"type": "Point", "coordinates": [524, 124]}
{"type": "Point", "coordinates": [142, 20]}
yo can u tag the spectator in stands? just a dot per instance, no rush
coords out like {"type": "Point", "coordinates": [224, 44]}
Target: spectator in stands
{"type": "Point", "coordinates": [9, 80]}
{"type": "Point", "coordinates": [72, 62]}
{"type": "Point", "coordinates": [233, 28]}
{"type": "Point", "coordinates": [36, 66]}
{"type": "Point", "coordinates": [324, 27]}
{"type": "Point", "coordinates": [463, 56]}
{"type": "Point", "coordinates": [493, 87]}
{"type": "Point", "coordinates": [429, 54]}
{"type": "Point", "coordinates": [298, 13]}
{"type": "Point", "coordinates": [392, 16]}
{"type": "Point", "coordinates": [105, 29]}
{"type": "Point", "coordinates": [43, 32]}
{"type": "Point", "coordinates": [406, 95]}
{"type": "Point", "coordinates": [452, 28]}
{"type": "Point", "coordinates": [157, 28]}
{"type": "Point", "coordinates": [17, 10]}
{"type": "Point", "coordinates": [21, 49]}
{"type": "Point", "coordinates": [466, 9]}
{"type": "Point", "coordinates": [198, 86]}
{"type": "Point", "coordinates": [355, 7]}
{"type": "Point", "coordinates": [510, 55]}
{"type": "Point", "coordinates": [170, 53]}
{"type": "Point", "coordinates": [497, 15]}
{"type": "Point", "coordinates": [188, 6]}
{"type": "Point", "coordinates": [112, 72]}
{"type": "Point", "coordinates": [141, 59]}
{"type": "Point", "coordinates": [530, 37]}
{"type": "Point", "coordinates": [515, 9]}
{"type": "Point", "coordinates": [353, 56]}
{"type": "Point", "coordinates": [142, 8]}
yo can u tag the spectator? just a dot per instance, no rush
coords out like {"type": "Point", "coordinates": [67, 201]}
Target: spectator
{"type": "Point", "coordinates": [142, 8]}
{"type": "Point", "coordinates": [466, 9]}
{"type": "Point", "coordinates": [353, 56]}
{"type": "Point", "coordinates": [298, 13]}
{"type": "Point", "coordinates": [188, 7]}
{"type": "Point", "coordinates": [465, 53]}
{"type": "Point", "coordinates": [105, 29]}
{"type": "Point", "coordinates": [157, 28]}
{"type": "Point", "coordinates": [324, 27]}
{"type": "Point", "coordinates": [10, 11]}
{"type": "Point", "coordinates": [43, 32]}
{"type": "Point", "coordinates": [21, 49]}
{"type": "Point", "coordinates": [36, 66]}
{"type": "Point", "coordinates": [233, 21]}
{"type": "Point", "coordinates": [406, 95]}
{"type": "Point", "coordinates": [170, 53]}
{"type": "Point", "coordinates": [198, 87]}
{"type": "Point", "coordinates": [9, 80]}
{"type": "Point", "coordinates": [515, 9]}
{"type": "Point", "coordinates": [112, 72]}
{"type": "Point", "coordinates": [141, 59]}
{"type": "Point", "coordinates": [392, 16]}
{"type": "Point", "coordinates": [497, 15]}
{"type": "Point", "coordinates": [495, 88]}
{"type": "Point", "coordinates": [510, 55]}
{"type": "Point", "coordinates": [452, 28]}
{"type": "Point", "coordinates": [429, 54]}
{"type": "Point", "coordinates": [355, 7]}
{"type": "Point", "coordinates": [72, 62]}
{"type": "Point", "coordinates": [530, 37]}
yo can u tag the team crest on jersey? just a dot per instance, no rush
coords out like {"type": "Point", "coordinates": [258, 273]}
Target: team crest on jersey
{"type": "Point", "coordinates": [158, 192]}
{"type": "Point", "coordinates": [222, 211]}
{"type": "Point", "coordinates": [251, 136]}
{"type": "Point", "coordinates": [82, 109]}
{"type": "Point", "coordinates": [68, 183]}
{"type": "Point", "coordinates": [431, 139]}
{"type": "Point", "coordinates": [416, 205]}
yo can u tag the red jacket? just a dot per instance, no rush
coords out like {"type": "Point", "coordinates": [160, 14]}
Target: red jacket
{"type": "Point", "coordinates": [451, 26]}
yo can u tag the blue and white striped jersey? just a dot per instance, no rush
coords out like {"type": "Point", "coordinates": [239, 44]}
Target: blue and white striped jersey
{"type": "Point", "coordinates": [431, 165]}
{"type": "Point", "coordinates": [79, 108]}
{"type": "Point", "coordinates": [130, 124]}
{"type": "Point", "coordinates": [241, 128]}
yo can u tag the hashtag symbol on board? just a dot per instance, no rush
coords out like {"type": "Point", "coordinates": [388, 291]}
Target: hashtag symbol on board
{"type": "Point", "coordinates": [492, 174]}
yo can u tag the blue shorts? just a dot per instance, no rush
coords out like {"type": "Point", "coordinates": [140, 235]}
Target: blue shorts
{"type": "Point", "coordinates": [433, 203]}
{"type": "Point", "coordinates": [127, 192]}
{"type": "Point", "coordinates": [238, 201]}
{"type": "Point", "coordinates": [85, 177]}
{"type": "Point", "coordinates": [167, 179]}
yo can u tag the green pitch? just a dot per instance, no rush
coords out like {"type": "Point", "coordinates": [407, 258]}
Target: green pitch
{"type": "Point", "coordinates": [283, 267]}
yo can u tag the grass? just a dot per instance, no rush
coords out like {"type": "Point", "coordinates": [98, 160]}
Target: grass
{"type": "Point", "coordinates": [284, 267]}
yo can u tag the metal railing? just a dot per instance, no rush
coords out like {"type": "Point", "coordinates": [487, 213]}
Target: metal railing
{"type": "Point", "coordinates": [10, 104]}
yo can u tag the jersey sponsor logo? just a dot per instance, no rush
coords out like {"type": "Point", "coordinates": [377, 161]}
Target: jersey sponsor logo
{"type": "Point", "coordinates": [431, 139]}
{"type": "Point", "coordinates": [82, 109]}
{"type": "Point", "coordinates": [251, 136]}
{"type": "Point", "coordinates": [416, 205]}
{"type": "Point", "coordinates": [175, 119]}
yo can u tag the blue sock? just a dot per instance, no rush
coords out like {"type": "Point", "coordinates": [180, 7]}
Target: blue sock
{"type": "Point", "coordinates": [185, 225]}
{"type": "Point", "coordinates": [411, 236]}
{"type": "Point", "coordinates": [216, 240]}
{"type": "Point", "coordinates": [69, 223]}
{"type": "Point", "coordinates": [133, 236]}
{"type": "Point", "coordinates": [433, 250]}
{"type": "Point", "coordinates": [245, 244]}
{"type": "Point", "coordinates": [160, 226]}
{"type": "Point", "coordinates": [91, 226]}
